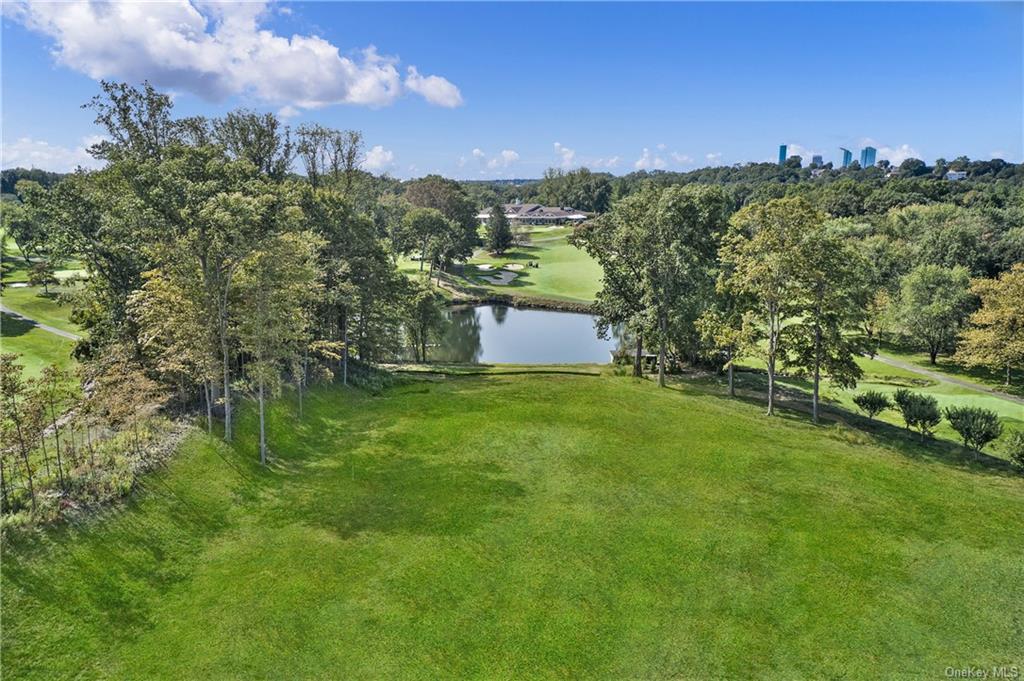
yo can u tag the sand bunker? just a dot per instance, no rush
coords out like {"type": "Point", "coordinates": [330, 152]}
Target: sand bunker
{"type": "Point", "coordinates": [485, 267]}
{"type": "Point", "coordinates": [515, 267]}
{"type": "Point", "coordinates": [502, 278]}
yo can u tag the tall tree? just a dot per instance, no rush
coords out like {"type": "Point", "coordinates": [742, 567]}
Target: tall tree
{"type": "Point", "coordinates": [275, 285]}
{"type": "Point", "coordinates": [13, 418]}
{"type": "Point", "coordinates": [933, 305]}
{"type": "Point", "coordinates": [994, 336]}
{"type": "Point", "coordinates": [832, 297]}
{"type": "Point", "coordinates": [762, 263]}
{"type": "Point", "coordinates": [499, 231]}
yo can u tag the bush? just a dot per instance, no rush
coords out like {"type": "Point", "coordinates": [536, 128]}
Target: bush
{"type": "Point", "coordinates": [872, 402]}
{"type": "Point", "coordinates": [920, 412]}
{"type": "Point", "coordinates": [1015, 448]}
{"type": "Point", "coordinates": [975, 425]}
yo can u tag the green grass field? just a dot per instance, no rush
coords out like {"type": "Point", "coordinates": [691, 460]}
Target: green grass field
{"type": "Point", "coordinates": [544, 525]}
{"type": "Point", "coordinates": [33, 303]}
{"type": "Point", "coordinates": [565, 273]}
{"type": "Point", "coordinates": [37, 348]}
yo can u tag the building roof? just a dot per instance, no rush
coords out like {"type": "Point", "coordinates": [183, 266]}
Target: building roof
{"type": "Point", "coordinates": [535, 211]}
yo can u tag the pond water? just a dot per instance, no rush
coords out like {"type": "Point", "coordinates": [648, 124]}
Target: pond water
{"type": "Point", "coordinates": [501, 334]}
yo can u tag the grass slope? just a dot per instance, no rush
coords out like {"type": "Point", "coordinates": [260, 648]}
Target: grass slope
{"type": "Point", "coordinates": [530, 525]}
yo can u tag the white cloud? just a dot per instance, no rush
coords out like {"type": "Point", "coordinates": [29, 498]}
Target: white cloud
{"type": "Point", "coordinates": [26, 152]}
{"type": "Point", "coordinates": [649, 161]}
{"type": "Point", "coordinates": [611, 162]}
{"type": "Point", "coordinates": [217, 50]}
{"type": "Point", "coordinates": [378, 158]}
{"type": "Point", "coordinates": [567, 156]}
{"type": "Point", "coordinates": [288, 111]}
{"type": "Point", "coordinates": [681, 159]}
{"type": "Point", "coordinates": [713, 157]}
{"type": "Point", "coordinates": [894, 155]}
{"type": "Point", "coordinates": [479, 154]}
{"type": "Point", "coordinates": [503, 160]}
{"type": "Point", "coordinates": [434, 89]}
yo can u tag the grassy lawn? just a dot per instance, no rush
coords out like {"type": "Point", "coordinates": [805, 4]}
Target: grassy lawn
{"type": "Point", "coordinates": [37, 348]}
{"type": "Point", "coordinates": [945, 365]}
{"type": "Point", "coordinates": [565, 272]}
{"type": "Point", "coordinates": [519, 526]}
{"type": "Point", "coordinates": [33, 303]}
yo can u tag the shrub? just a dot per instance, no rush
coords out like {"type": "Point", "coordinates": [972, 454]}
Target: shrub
{"type": "Point", "coordinates": [920, 412]}
{"type": "Point", "coordinates": [1015, 448]}
{"type": "Point", "coordinates": [902, 398]}
{"type": "Point", "coordinates": [872, 402]}
{"type": "Point", "coordinates": [976, 426]}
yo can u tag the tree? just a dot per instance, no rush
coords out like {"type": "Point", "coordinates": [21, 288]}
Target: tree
{"type": "Point", "coordinates": [762, 263]}
{"type": "Point", "coordinates": [919, 411]}
{"type": "Point", "coordinates": [976, 426]}
{"type": "Point", "coordinates": [872, 403]}
{"type": "Point", "coordinates": [257, 138]}
{"type": "Point", "coordinates": [275, 285]}
{"type": "Point", "coordinates": [13, 396]}
{"type": "Point", "coordinates": [425, 317]}
{"type": "Point", "coordinates": [724, 328]}
{"type": "Point", "coordinates": [43, 274]}
{"type": "Point", "coordinates": [933, 304]}
{"type": "Point", "coordinates": [54, 391]}
{"type": "Point", "coordinates": [499, 233]}
{"type": "Point", "coordinates": [832, 298]}
{"type": "Point", "coordinates": [994, 336]}
{"type": "Point", "coordinates": [1015, 450]}
{"type": "Point", "coordinates": [448, 197]}
{"type": "Point", "coordinates": [427, 227]}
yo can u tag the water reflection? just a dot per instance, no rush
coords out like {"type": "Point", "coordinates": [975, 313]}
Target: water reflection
{"type": "Point", "coordinates": [501, 334]}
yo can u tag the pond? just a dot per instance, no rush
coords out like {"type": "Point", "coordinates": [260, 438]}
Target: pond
{"type": "Point", "coordinates": [500, 334]}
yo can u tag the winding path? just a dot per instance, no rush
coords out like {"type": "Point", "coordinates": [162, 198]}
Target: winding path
{"type": "Point", "coordinates": [943, 378]}
{"type": "Point", "coordinates": [45, 327]}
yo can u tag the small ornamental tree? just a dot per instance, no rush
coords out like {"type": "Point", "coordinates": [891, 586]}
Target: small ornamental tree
{"type": "Point", "coordinates": [920, 412]}
{"type": "Point", "coordinates": [1015, 448]}
{"type": "Point", "coordinates": [976, 426]}
{"type": "Point", "coordinates": [43, 274]}
{"type": "Point", "coordinates": [872, 403]}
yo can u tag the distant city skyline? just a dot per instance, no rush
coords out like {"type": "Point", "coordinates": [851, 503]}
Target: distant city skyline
{"type": "Point", "coordinates": [654, 86]}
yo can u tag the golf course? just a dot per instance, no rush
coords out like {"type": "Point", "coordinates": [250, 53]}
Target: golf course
{"type": "Point", "coordinates": [490, 526]}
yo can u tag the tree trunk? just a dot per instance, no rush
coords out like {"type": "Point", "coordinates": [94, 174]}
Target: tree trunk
{"type": "Point", "coordinates": [207, 389]}
{"type": "Point", "coordinates": [817, 372]}
{"type": "Point", "coordinates": [932, 354]}
{"type": "Point", "coordinates": [732, 387]}
{"type": "Point", "coordinates": [46, 456]}
{"type": "Point", "coordinates": [773, 345]}
{"type": "Point", "coordinates": [1007, 374]}
{"type": "Point", "coordinates": [225, 359]}
{"type": "Point", "coordinates": [28, 466]}
{"type": "Point", "coordinates": [638, 357]}
{"type": "Point", "coordinates": [344, 341]}
{"type": "Point", "coordinates": [661, 353]}
{"type": "Point", "coordinates": [263, 431]}
{"type": "Point", "coordinates": [423, 254]}
{"type": "Point", "coordinates": [56, 430]}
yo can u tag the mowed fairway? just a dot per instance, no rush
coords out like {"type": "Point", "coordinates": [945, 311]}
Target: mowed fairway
{"type": "Point", "coordinates": [559, 526]}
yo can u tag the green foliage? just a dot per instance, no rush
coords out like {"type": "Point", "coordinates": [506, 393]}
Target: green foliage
{"type": "Point", "coordinates": [872, 402]}
{"type": "Point", "coordinates": [976, 426]}
{"type": "Point", "coordinates": [1015, 450]}
{"type": "Point", "coordinates": [934, 303]}
{"type": "Point", "coordinates": [920, 412]}
{"type": "Point", "coordinates": [499, 232]}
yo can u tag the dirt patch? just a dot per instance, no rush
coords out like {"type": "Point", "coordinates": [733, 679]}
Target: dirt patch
{"type": "Point", "coordinates": [514, 266]}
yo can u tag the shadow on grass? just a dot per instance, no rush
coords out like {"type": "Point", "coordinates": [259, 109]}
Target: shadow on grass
{"type": "Point", "coordinates": [12, 326]}
{"type": "Point", "coordinates": [795, 405]}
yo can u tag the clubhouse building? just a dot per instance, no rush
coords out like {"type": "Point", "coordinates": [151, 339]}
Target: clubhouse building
{"type": "Point", "coordinates": [536, 214]}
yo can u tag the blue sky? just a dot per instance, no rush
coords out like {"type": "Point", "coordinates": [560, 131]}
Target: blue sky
{"type": "Point", "coordinates": [506, 90]}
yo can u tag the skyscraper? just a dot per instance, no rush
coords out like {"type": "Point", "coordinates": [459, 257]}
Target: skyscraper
{"type": "Point", "coordinates": [816, 160]}
{"type": "Point", "coordinates": [867, 157]}
{"type": "Point", "coordinates": [782, 154]}
{"type": "Point", "coordinates": [847, 156]}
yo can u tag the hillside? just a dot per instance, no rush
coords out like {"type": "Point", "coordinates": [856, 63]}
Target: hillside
{"type": "Point", "coordinates": [531, 525]}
